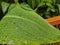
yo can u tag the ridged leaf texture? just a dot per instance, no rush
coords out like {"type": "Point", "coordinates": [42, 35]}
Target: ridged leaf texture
{"type": "Point", "coordinates": [25, 27]}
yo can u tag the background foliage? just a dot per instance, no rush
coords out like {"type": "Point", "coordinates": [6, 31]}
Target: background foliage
{"type": "Point", "coordinates": [45, 8]}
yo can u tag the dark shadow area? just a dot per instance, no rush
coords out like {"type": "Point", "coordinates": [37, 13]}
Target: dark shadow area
{"type": "Point", "coordinates": [20, 1]}
{"type": "Point", "coordinates": [4, 44]}
{"type": "Point", "coordinates": [1, 12]}
{"type": "Point", "coordinates": [9, 1]}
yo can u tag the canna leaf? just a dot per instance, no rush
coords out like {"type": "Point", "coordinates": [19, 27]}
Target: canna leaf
{"type": "Point", "coordinates": [24, 27]}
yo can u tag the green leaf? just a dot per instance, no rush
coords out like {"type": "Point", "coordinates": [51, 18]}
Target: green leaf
{"type": "Point", "coordinates": [16, 1]}
{"type": "Point", "coordinates": [49, 5]}
{"type": "Point", "coordinates": [26, 6]}
{"type": "Point", "coordinates": [58, 7]}
{"type": "Point", "coordinates": [50, 1]}
{"type": "Point", "coordinates": [31, 3]}
{"type": "Point", "coordinates": [54, 2]}
{"type": "Point", "coordinates": [58, 2]}
{"type": "Point", "coordinates": [41, 4]}
{"type": "Point", "coordinates": [38, 1]}
{"type": "Point", "coordinates": [23, 27]}
{"type": "Point", "coordinates": [53, 10]}
{"type": "Point", "coordinates": [4, 6]}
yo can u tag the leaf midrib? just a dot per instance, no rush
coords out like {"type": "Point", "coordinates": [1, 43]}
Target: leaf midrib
{"type": "Point", "coordinates": [13, 16]}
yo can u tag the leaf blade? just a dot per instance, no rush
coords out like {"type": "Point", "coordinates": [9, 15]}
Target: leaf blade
{"type": "Point", "coordinates": [36, 32]}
